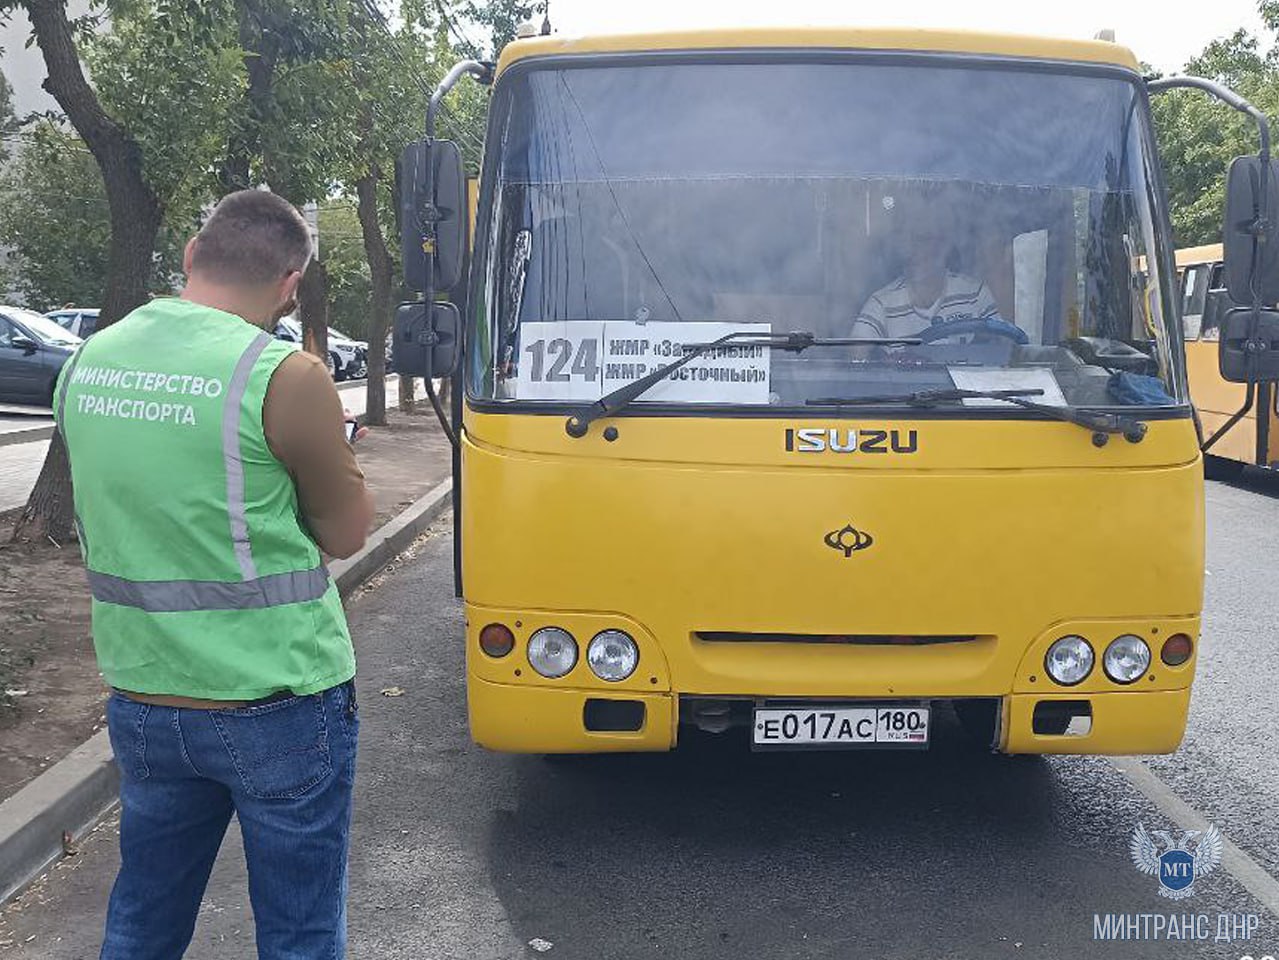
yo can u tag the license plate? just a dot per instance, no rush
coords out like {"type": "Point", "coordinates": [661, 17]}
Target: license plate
{"type": "Point", "coordinates": [818, 726]}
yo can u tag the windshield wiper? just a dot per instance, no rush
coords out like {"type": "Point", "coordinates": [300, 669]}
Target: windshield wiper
{"type": "Point", "coordinates": [610, 403]}
{"type": "Point", "coordinates": [1101, 424]}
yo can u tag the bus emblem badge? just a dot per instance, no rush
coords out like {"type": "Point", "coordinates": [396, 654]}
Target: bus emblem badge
{"type": "Point", "coordinates": [849, 539]}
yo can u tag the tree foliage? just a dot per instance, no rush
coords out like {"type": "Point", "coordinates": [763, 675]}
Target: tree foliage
{"type": "Point", "coordinates": [8, 121]}
{"type": "Point", "coordinates": [341, 246]}
{"type": "Point", "coordinates": [170, 72]}
{"type": "Point", "coordinates": [54, 216]}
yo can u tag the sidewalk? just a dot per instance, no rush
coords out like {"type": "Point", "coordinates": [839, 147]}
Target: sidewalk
{"type": "Point", "coordinates": [20, 462]}
{"type": "Point", "coordinates": [51, 694]}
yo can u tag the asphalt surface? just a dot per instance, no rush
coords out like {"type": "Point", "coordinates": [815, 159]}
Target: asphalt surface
{"type": "Point", "coordinates": [714, 852]}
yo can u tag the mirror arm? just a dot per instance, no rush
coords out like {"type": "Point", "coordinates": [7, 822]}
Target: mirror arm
{"type": "Point", "coordinates": [1259, 228]}
{"type": "Point", "coordinates": [1238, 415]}
{"type": "Point", "coordinates": [1226, 96]}
{"type": "Point", "coordinates": [482, 72]}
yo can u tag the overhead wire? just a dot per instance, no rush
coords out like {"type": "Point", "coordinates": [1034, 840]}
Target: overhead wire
{"type": "Point", "coordinates": [454, 28]}
{"type": "Point", "coordinates": [463, 136]}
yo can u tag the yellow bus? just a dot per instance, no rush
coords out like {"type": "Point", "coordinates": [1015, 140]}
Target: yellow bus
{"type": "Point", "coordinates": [1253, 439]}
{"type": "Point", "coordinates": [809, 388]}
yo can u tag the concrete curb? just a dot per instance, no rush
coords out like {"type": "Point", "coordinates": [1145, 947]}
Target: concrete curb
{"type": "Point", "coordinates": [27, 435]}
{"type": "Point", "coordinates": [388, 540]}
{"type": "Point", "coordinates": [70, 796]}
{"type": "Point", "coordinates": [73, 794]}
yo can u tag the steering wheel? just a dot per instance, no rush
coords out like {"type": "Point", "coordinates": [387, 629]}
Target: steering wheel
{"type": "Point", "coordinates": [987, 325]}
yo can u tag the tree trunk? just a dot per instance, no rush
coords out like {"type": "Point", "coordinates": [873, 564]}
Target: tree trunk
{"type": "Point", "coordinates": [135, 213]}
{"type": "Point", "coordinates": [406, 394]}
{"type": "Point", "coordinates": [135, 210]}
{"type": "Point", "coordinates": [313, 309]}
{"type": "Point", "coordinates": [261, 50]}
{"type": "Point", "coordinates": [379, 258]}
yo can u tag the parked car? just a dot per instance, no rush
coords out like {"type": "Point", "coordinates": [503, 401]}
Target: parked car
{"type": "Point", "coordinates": [347, 358]}
{"type": "Point", "coordinates": [81, 321]}
{"type": "Point", "coordinates": [353, 354]}
{"type": "Point", "coordinates": [32, 350]}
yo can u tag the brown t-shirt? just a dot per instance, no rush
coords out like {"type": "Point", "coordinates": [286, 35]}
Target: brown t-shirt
{"type": "Point", "coordinates": [304, 425]}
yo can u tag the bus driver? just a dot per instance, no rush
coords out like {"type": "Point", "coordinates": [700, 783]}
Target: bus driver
{"type": "Point", "coordinates": [927, 292]}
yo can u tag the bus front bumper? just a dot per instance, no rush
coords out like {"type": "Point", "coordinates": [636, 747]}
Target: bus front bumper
{"type": "Point", "coordinates": [517, 718]}
{"type": "Point", "coordinates": [1125, 722]}
{"type": "Point", "coordinates": [535, 719]}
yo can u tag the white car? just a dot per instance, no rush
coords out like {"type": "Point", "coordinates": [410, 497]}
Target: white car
{"type": "Point", "coordinates": [347, 359]}
{"type": "Point", "coordinates": [79, 320]}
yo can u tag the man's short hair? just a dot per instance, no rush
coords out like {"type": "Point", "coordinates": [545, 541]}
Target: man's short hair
{"type": "Point", "coordinates": [252, 238]}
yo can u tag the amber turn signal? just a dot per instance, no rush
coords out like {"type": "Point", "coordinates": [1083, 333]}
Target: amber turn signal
{"type": "Point", "coordinates": [1176, 650]}
{"type": "Point", "coordinates": [497, 640]}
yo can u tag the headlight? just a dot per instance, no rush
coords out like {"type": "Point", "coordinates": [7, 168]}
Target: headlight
{"type": "Point", "coordinates": [552, 652]}
{"type": "Point", "coordinates": [612, 655]}
{"type": "Point", "coordinates": [1069, 660]}
{"type": "Point", "coordinates": [1126, 659]}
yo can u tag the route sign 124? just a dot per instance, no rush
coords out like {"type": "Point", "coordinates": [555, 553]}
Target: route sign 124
{"type": "Point", "coordinates": [583, 360]}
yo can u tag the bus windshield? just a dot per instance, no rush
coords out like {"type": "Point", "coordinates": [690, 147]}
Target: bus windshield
{"type": "Point", "coordinates": [1003, 215]}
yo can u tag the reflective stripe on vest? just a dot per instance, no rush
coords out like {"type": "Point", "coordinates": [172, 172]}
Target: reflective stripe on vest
{"type": "Point", "coordinates": [231, 453]}
{"type": "Point", "coordinates": [184, 596]}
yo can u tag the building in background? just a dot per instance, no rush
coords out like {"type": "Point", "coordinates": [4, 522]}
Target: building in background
{"type": "Point", "coordinates": [24, 65]}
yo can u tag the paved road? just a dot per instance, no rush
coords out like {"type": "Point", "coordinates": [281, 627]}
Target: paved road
{"type": "Point", "coordinates": [20, 462]}
{"type": "Point", "coordinates": [715, 853]}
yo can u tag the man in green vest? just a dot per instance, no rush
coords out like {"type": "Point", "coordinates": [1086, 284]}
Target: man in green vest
{"type": "Point", "coordinates": [211, 474]}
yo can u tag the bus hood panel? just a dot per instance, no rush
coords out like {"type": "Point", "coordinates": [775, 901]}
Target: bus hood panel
{"type": "Point", "coordinates": [1000, 556]}
{"type": "Point", "coordinates": [878, 443]}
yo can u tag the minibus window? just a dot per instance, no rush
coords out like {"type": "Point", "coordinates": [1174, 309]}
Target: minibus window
{"type": "Point", "coordinates": [1194, 291]}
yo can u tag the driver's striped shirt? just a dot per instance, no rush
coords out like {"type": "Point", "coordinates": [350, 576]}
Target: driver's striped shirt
{"type": "Point", "coordinates": [890, 313]}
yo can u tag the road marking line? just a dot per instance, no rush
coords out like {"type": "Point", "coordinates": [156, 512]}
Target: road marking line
{"type": "Point", "coordinates": [1247, 871]}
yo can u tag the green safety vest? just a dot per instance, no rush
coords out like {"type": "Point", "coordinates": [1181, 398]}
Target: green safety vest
{"type": "Point", "coordinates": [204, 578]}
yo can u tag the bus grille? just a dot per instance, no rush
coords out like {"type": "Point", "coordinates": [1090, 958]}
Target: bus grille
{"type": "Point", "coordinates": [866, 639]}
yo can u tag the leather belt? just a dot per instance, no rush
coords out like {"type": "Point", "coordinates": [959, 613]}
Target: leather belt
{"type": "Point", "coordinates": [191, 703]}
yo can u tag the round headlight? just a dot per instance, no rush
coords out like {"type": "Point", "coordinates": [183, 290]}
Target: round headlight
{"type": "Point", "coordinates": [1069, 660]}
{"type": "Point", "coordinates": [552, 652]}
{"type": "Point", "coordinates": [612, 655]}
{"type": "Point", "coordinates": [1126, 659]}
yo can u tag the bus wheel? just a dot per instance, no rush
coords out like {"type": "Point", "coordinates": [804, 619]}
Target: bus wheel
{"type": "Point", "coordinates": [1219, 468]}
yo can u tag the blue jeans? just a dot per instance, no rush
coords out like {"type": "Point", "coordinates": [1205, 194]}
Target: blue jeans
{"type": "Point", "coordinates": [286, 769]}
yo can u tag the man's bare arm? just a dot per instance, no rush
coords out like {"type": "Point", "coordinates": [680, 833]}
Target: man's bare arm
{"type": "Point", "coordinates": [305, 429]}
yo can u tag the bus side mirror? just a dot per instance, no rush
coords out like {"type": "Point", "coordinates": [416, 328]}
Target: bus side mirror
{"type": "Point", "coordinates": [1243, 196]}
{"type": "Point", "coordinates": [424, 342]}
{"type": "Point", "coordinates": [441, 201]}
{"type": "Point", "coordinates": [1243, 358]}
